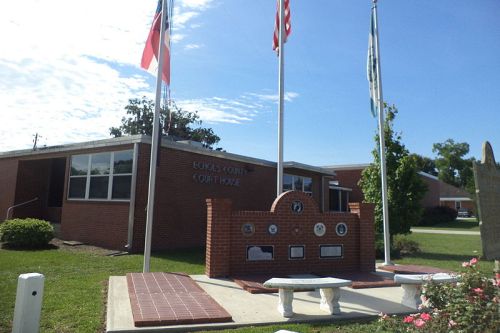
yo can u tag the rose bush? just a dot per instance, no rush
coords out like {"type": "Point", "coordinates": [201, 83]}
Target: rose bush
{"type": "Point", "coordinates": [471, 305]}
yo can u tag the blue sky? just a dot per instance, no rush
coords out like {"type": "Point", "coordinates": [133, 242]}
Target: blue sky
{"type": "Point", "coordinates": [68, 77]}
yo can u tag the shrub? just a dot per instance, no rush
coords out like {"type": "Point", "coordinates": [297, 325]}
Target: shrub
{"type": "Point", "coordinates": [26, 233]}
{"type": "Point", "coordinates": [438, 214]}
{"type": "Point", "coordinates": [471, 305]}
{"type": "Point", "coordinates": [404, 245]}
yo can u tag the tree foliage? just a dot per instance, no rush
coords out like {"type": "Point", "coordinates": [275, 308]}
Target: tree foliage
{"type": "Point", "coordinates": [452, 167]}
{"type": "Point", "coordinates": [425, 164]}
{"type": "Point", "coordinates": [174, 122]}
{"type": "Point", "coordinates": [404, 186]}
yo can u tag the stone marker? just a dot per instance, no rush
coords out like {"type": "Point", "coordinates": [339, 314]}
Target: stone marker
{"type": "Point", "coordinates": [487, 179]}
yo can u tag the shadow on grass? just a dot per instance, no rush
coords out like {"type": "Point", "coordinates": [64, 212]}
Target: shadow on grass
{"type": "Point", "coordinates": [440, 256]}
{"type": "Point", "coordinates": [192, 255]}
{"type": "Point", "coordinates": [8, 246]}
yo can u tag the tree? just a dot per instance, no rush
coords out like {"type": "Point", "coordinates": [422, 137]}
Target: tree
{"type": "Point", "coordinates": [452, 167]}
{"type": "Point", "coordinates": [404, 186]}
{"type": "Point", "coordinates": [425, 164]}
{"type": "Point", "coordinates": [176, 123]}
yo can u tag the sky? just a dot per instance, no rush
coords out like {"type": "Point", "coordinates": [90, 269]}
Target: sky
{"type": "Point", "coordinates": [68, 69]}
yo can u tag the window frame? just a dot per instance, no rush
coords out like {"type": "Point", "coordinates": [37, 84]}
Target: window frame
{"type": "Point", "coordinates": [110, 176]}
{"type": "Point", "coordinates": [302, 182]}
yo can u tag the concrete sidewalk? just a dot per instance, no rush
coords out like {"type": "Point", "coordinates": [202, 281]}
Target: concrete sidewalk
{"type": "Point", "coordinates": [257, 309]}
{"type": "Point", "coordinates": [445, 232]}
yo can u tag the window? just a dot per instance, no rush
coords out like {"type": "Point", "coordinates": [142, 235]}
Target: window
{"type": "Point", "coordinates": [102, 176]}
{"type": "Point", "coordinates": [458, 205]}
{"type": "Point", "coordinates": [339, 200]}
{"type": "Point", "coordinates": [297, 183]}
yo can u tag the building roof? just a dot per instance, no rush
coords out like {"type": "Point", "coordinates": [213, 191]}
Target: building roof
{"type": "Point", "coordinates": [167, 143]}
{"type": "Point", "coordinates": [450, 192]}
{"type": "Point", "coordinates": [341, 167]}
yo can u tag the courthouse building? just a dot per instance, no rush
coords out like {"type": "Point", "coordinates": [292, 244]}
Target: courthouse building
{"type": "Point", "coordinates": [97, 190]}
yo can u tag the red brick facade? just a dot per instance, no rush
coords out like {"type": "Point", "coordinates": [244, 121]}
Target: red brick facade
{"type": "Point", "coordinates": [227, 244]}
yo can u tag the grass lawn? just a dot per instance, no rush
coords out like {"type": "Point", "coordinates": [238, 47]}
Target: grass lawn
{"type": "Point", "coordinates": [446, 251]}
{"type": "Point", "coordinates": [463, 224]}
{"type": "Point", "coordinates": [76, 282]}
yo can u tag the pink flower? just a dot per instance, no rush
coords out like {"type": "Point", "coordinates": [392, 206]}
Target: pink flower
{"type": "Point", "coordinates": [465, 264]}
{"type": "Point", "coordinates": [451, 323]}
{"type": "Point", "coordinates": [425, 316]}
{"type": "Point", "coordinates": [478, 290]}
{"type": "Point", "coordinates": [473, 261]}
{"type": "Point", "coordinates": [408, 319]}
{"type": "Point", "coordinates": [383, 316]}
{"type": "Point", "coordinates": [419, 323]}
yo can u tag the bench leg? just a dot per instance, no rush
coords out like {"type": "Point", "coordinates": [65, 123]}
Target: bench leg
{"type": "Point", "coordinates": [330, 300]}
{"type": "Point", "coordinates": [411, 297]}
{"type": "Point", "coordinates": [285, 302]}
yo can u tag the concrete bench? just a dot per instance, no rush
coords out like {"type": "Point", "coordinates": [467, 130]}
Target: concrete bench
{"type": "Point", "coordinates": [328, 288]}
{"type": "Point", "coordinates": [412, 285]}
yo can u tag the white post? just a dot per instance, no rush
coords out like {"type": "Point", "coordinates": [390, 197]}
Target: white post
{"type": "Point", "coordinates": [29, 298]}
{"type": "Point", "coordinates": [154, 144]}
{"type": "Point", "coordinates": [281, 89]}
{"type": "Point", "coordinates": [383, 169]}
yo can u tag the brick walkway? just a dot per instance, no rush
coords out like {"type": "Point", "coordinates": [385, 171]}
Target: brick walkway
{"type": "Point", "coordinates": [171, 299]}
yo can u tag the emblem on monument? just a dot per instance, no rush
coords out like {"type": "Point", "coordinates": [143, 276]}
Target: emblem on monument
{"type": "Point", "coordinates": [341, 229]}
{"type": "Point", "coordinates": [272, 229]}
{"type": "Point", "coordinates": [319, 229]}
{"type": "Point", "coordinates": [297, 207]}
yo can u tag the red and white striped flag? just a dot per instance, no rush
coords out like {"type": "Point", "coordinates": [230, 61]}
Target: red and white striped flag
{"type": "Point", "coordinates": [150, 54]}
{"type": "Point", "coordinates": [288, 26]}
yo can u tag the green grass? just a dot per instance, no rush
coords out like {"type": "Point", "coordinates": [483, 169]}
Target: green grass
{"type": "Point", "coordinates": [462, 224]}
{"type": "Point", "coordinates": [76, 282]}
{"type": "Point", "coordinates": [446, 251]}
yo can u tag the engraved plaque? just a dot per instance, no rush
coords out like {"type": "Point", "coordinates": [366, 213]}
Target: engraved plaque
{"type": "Point", "coordinates": [487, 179]}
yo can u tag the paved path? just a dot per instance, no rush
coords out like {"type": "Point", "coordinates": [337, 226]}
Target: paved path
{"type": "Point", "coordinates": [445, 232]}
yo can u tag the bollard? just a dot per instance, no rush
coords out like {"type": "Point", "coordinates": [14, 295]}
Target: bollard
{"type": "Point", "coordinates": [28, 303]}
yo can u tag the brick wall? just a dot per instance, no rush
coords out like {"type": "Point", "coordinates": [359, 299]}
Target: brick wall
{"type": "Point", "coordinates": [8, 177]}
{"type": "Point", "coordinates": [227, 244]}
{"type": "Point", "coordinates": [350, 179]}
{"type": "Point", "coordinates": [180, 208]}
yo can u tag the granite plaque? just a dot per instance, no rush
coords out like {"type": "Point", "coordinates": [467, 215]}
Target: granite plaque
{"type": "Point", "coordinates": [296, 252]}
{"type": "Point", "coordinates": [331, 251]}
{"type": "Point", "coordinates": [260, 252]}
{"type": "Point", "coordinates": [487, 179]}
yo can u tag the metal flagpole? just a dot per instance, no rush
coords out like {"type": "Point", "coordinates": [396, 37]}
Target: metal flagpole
{"type": "Point", "coordinates": [383, 169]}
{"type": "Point", "coordinates": [281, 89]}
{"type": "Point", "coordinates": [154, 144]}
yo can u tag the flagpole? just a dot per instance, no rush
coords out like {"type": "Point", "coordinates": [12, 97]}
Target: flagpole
{"type": "Point", "coordinates": [155, 141]}
{"type": "Point", "coordinates": [281, 89]}
{"type": "Point", "coordinates": [383, 169]}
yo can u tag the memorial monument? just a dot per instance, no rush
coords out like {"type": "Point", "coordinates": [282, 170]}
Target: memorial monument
{"type": "Point", "coordinates": [487, 179]}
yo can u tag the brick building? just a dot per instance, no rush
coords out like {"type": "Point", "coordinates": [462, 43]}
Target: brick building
{"type": "Point", "coordinates": [438, 193]}
{"type": "Point", "coordinates": [98, 190]}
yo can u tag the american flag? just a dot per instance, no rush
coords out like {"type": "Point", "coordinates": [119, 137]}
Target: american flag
{"type": "Point", "coordinates": [288, 26]}
{"type": "Point", "coordinates": [150, 54]}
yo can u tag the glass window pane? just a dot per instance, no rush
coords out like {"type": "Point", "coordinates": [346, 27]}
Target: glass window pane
{"type": "Point", "coordinates": [297, 183]}
{"type": "Point", "coordinates": [77, 187]}
{"type": "Point", "coordinates": [287, 182]}
{"type": "Point", "coordinates": [308, 185]}
{"type": "Point", "coordinates": [123, 162]}
{"type": "Point", "coordinates": [100, 164]}
{"type": "Point", "coordinates": [79, 165]}
{"type": "Point", "coordinates": [343, 200]}
{"type": "Point", "coordinates": [334, 200]}
{"type": "Point", "coordinates": [121, 187]}
{"type": "Point", "coordinates": [98, 187]}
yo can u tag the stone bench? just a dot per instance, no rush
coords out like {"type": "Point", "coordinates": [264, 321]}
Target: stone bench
{"type": "Point", "coordinates": [328, 288]}
{"type": "Point", "coordinates": [412, 285]}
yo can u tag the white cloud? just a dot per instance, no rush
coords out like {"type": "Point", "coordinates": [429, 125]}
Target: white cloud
{"type": "Point", "coordinates": [192, 46]}
{"type": "Point", "coordinates": [289, 96]}
{"type": "Point", "coordinates": [68, 76]}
